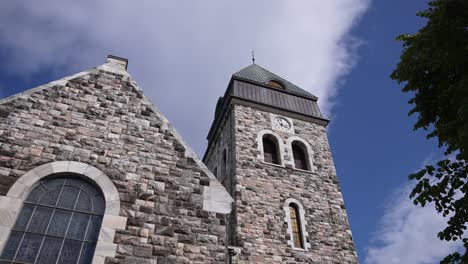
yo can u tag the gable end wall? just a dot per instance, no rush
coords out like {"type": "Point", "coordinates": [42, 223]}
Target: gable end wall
{"type": "Point", "coordinates": [101, 118]}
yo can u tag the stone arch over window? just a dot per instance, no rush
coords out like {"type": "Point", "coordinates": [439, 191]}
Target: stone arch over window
{"type": "Point", "coordinates": [295, 219]}
{"type": "Point", "coordinates": [18, 197]}
{"type": "Point", "coordinates": [302, 154]}
{"type": "Point", "coordinates": [270, 147]}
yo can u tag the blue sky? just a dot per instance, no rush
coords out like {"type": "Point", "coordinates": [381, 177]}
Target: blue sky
{"type": "Point", "coordinates": [183, 53]}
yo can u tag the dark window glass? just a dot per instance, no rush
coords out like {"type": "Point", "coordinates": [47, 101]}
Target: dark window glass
{"type": "Point", "coordinates": [50, 198]}
{"type": "Point", "coordinates": [49, 252]}
{"type": "Point", "coordinates": [68, 197]}
{"type": "Point", "coordinates": [99, 204]}
{"type": "Point", "coordinates": [84, 203]}
{"type": "Point", "coordinates": [93, 229]}
{"type": "Point", "coordinates": [78, 226]}
{"type": "Point", "coordinates": [54, 184]}
{"type": "Point", "coordinates": [24, 216]}
{"type": "Point", "coordinates": [29, 248]}
{"type": "Point", "coordinates": [270, 150]}
{"type": "Point", "coordinates": [87, 253]}
{"type": "Point", "coordinates": [12, 246]}
{"type": "Point", "coordinates": [300, 157]}
{"type": "Point", "coordinates": [59, 223]}
{"type": "Point", "coordinates": [296, 226]}
{"type": "Point", "coordinates": [70, 251]}
{"type": "Point", "coordinates": [36, 194]}
{"type": "Point", "coordinates": [40, 220]}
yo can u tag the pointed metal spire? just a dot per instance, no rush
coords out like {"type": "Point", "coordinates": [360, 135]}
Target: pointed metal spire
{"type": "Point", "coordinates": [253, 57]}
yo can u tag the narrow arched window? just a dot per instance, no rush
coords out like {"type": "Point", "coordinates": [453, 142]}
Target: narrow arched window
{"type": "Point", "coordinates": [59, 223]}
{"type": "Point", "coordinates": [270, 149]}
{"type": "Point", "coordinates": [224, 165]}
{"type": "Point", "coordinates": [296, 226]}
{"type": "Point", "coordinates": [300, 156]}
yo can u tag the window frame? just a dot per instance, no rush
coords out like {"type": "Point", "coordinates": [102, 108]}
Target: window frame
{"type": "Point", "coordinates": [11, 204]}
{"type": "Point", "coordinates": [299, 146]}
{"type": "Point", "coordinates": [296, 226]}
{"type": "Point", "coordinates": [309, 153]}
{"type": "Point", "coordinates": [65, 181]}
{"type": "Point", "coordinates": [279, 146]}
{"type": "Point", "coordinates": [301, 221]}
{"type": "Point", "coordinates": [273, 144]}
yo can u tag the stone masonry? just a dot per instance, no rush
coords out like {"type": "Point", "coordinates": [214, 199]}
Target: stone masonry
{"type": "Point", "coordinates": [257, 226]}
{"type": "Point", "coordinates": [262, 189]}
{"type": "Point", "coordinates": [173, 205]}
{"type": "Point", "coordinates": [226, 142]}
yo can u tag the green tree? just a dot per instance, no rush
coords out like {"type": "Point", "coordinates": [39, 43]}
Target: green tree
{"type": "Point", "coordinates": [434, 69]}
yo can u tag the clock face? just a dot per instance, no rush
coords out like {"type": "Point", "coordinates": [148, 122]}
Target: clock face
{"type": "Point", "coordinates": [281, 124]}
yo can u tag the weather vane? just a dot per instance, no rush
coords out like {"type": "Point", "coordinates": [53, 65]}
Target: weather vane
{"type": "Point", "coordinates": [253, 57]}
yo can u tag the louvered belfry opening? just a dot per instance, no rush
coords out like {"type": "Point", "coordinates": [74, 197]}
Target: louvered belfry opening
{"type": "Point", "coordinates": [300, 156]}
{"type": "Point", "coordinates": [59, 223]}
{"type": "Point", "coordinates": [270, 150]}
{"type": "Point", "coordinates": [296, 226]}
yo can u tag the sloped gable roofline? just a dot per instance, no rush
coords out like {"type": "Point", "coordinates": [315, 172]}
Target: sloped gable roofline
{"type": "Point", "coordinates": [215, 197]}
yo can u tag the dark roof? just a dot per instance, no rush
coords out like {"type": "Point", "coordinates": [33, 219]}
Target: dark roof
{"type": "Point", "coordinates": [258, 74]}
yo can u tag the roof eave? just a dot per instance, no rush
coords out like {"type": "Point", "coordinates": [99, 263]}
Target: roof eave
{"type": "Point", "coordinates": [312, 97]}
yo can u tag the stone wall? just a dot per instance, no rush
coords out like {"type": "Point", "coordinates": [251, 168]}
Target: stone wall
{"type": "Point", "coordinates": [225, 141]}
{"type": "Point", "coordinates": [262, 189]}
{"type": "Point", "coordinates": [102, 119]}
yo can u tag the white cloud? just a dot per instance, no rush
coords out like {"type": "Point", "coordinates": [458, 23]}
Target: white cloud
{"type": "Point", "coordinates": [183, 52]}
{"type": "Point", "coordinates": [408, 233]}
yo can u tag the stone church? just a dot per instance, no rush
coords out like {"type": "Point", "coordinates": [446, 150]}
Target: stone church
{"type": "Point", "coordinates": [92, 172]}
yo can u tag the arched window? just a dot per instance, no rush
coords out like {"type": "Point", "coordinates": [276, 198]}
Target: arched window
{"type": "Point", "coordinates": [275, 84]}
{"type": "Point", "coordinates": [270, 149]}
{"type": "Point", "coordinates": [224, 165]}
{"type": "Point", "coordinates": [300, 156]}
{"type": "Point", "coordinates": [295, 217]}
{"type": "Point", "coordinates": [296, 226]}
{"type": "Point", "coordinates": [59, 223]}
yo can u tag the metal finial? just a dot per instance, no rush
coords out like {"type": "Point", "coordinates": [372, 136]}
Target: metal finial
{"type": "Point", "coordinates": [253, 57]}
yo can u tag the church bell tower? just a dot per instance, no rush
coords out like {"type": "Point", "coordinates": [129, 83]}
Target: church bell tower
{"type": "Point", "coordinates": [268, 147]}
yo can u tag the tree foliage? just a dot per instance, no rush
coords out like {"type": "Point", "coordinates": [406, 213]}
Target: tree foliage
{"type": "Point", "coordinates": [434, 68]}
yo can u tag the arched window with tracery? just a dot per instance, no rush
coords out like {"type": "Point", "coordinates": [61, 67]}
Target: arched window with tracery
{"type": "Point", "coordinates": [300, 156]}
{"type": "Point", "coordinates": [59, 222]}
{"type": "Point", "coordinates": [270, 149]}
{"type": "Point", "coordinates": [296, 226]}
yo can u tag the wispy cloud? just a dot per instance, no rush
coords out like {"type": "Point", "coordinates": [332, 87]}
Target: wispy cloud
{"type": "Point", "coordinates": [183, 52]}
{"type": "Point", "coordinates": [408, 233]}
